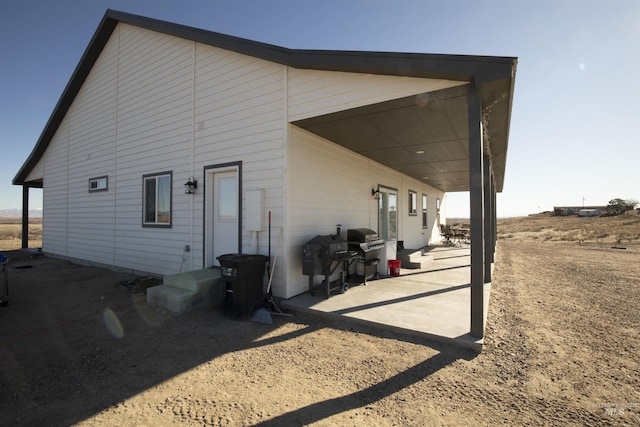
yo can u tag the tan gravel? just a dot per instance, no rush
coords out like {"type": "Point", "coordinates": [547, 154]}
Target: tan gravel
{"type": "Point", "coordinates": [562, 346]}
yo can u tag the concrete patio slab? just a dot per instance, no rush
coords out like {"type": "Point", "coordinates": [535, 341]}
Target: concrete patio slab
{"type": "Point", "coordinates": [434, 302]}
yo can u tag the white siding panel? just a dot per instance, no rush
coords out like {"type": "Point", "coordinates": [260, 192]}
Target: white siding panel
{"type": "Point", "coordinates": [154, 135]}
{"type": "Point", "coordinates": [330, 185]}
{"type": "Point", "coordinates": [239, 117]}
{"type": "Point", "coordinates": [37, 172]}
{"type": "Point", "coordinates": [54, 230]}
{"type": "Point", "coordinates": [313, 92]}
{"type": "Point", "coordinates": [149, 105]}
{"type": "Point", "coordinates": [92, 118]}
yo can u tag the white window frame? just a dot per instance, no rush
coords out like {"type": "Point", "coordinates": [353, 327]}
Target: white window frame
{"type": "Point", "coordinates": [100, 183]}
{"type": "Point", "coordinates": [388, 213]}
{"type": "Point", "coordinates": [157, 219]}
{"type": "Point", "coordinates": [425, 201]}
{"type": "Point", "coordinates": [413, 203]}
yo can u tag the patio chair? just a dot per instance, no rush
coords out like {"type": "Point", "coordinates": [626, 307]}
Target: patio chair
{"type": "Point", "coordinates": [446, 233]}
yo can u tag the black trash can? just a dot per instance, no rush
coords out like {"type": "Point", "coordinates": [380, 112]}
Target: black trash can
{"type": "Point", "coordinates": [244, 275]}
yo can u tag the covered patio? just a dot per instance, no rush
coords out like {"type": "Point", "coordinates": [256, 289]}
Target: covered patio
{"type": "Point", "coordinates": [454, 139]}
{"type": "Point", "coordinates": [433, 303]}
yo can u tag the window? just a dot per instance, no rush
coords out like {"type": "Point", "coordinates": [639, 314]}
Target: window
{"type": "Point", "coordinates": [98, 184]}
{"type": "Point", "coordinates": [413, 203]}
{"type": "Point", "coordinates": [157, 200]}
{"type": "Point", "coordinates": [424, 211]}
{"type": "Point", "coordinates": [438, 205]}
{"type": "Point", "coordinates": [388, 213]}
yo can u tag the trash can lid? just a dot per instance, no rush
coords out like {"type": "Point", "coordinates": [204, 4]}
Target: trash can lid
{"type": "Point", "coordinates": [241, 258]}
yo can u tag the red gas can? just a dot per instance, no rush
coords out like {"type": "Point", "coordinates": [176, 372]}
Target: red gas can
{"type": "Point", "coordinates": [394, 267]}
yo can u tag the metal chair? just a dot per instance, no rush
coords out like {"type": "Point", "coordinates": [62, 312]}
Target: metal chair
{"type": "Point", "coordinates": [446, 233]}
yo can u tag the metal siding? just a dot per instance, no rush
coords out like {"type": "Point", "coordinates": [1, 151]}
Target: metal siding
{"type": "Point", "coordinates": [228, 108]}
{"type": "Point", "coordinates": [37, 172]}
{"type": "Point", "coordinates": [91, 136]}
{"type": "Point", "coordinates": [313, 92]}
{"type": "Point", "coordinates": [238, 117]}
{"type": "Point", "coordinates": [330, 185]}
{"type": "Point", "coordinates": [154, 135]}
{"type": "Point", "coordinates": [54, 220]}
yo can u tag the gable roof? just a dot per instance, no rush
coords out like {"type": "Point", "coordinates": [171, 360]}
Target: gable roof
{"type": "Point", "coordinates": [493, 76]}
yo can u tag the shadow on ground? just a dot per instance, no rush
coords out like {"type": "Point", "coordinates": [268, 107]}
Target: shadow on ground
{"type": "Point", "coordinates": [74, 342]}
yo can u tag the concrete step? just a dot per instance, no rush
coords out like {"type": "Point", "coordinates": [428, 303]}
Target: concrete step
{"type": "Point", "coordinates": [194, 281]}
{"type": "Point", "coordinates": [203, 290]}
{"type": "Point", "coordinates": [414, 258]}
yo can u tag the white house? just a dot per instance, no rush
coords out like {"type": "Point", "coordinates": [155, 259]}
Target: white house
{"type": "Point", "coordinates": [307, 135]}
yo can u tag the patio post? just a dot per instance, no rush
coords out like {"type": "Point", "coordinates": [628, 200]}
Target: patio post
{"type": "Point", "coordinates": [495, 219]}
{"type": "Point", "coordinates": [488, 218]}
{"type": "Point", "coordinates": [25, 216]}
{"type": "Point", "coordinates": [477, 211]}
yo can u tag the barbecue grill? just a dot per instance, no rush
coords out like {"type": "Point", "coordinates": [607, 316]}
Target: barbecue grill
{"type": "Point", "coordinates": [327, 255]}
{"type": "Point", "coordinates": [367, 244]}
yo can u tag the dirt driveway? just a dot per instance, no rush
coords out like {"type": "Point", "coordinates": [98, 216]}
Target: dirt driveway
{"type": "Point", "coordinates": [562, 348]}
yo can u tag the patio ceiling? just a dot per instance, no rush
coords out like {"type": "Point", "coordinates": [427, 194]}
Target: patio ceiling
{"type": "Point", "coordinates": [424, 136]}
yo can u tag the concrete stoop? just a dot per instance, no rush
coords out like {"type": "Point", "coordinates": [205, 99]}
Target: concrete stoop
{"type": "Point", "coordinates": [413, 258]}
{"type": "Point", "coordinates": [192, 290]}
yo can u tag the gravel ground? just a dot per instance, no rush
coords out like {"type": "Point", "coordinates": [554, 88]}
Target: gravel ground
{"type": "Point", "coordinates": [562, 345]}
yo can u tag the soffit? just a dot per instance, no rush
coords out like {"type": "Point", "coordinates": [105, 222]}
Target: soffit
{"type": "Point", "coordinates": [423, 136]}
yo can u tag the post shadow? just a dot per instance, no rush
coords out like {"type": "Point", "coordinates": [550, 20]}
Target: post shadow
{"type": "Point", "coordinates": [325, 409]}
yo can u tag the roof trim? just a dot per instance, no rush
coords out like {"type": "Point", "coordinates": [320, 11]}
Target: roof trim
{"type": "Point", "coordinates": [477, 69]}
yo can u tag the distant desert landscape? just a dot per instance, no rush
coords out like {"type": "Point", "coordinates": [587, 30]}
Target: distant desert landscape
{"type": "Point", "coordinates": [543, 227]}
{"type": "Point", "coordinates": [561, 348]}
{"type": "Point", "coordinates": [11, 232]}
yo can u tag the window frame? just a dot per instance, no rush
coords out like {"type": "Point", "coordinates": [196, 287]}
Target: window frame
{"type": "Point", "coordinates": [97, 180]}
{"type": "Point", "coordinates": [413, 203]}
{"type": "Point", "coordinates": [156, 177]}
{"type": "Point", "coordinates": [388, 217]}
{"type": "Point", "coordinates": [425, 201]}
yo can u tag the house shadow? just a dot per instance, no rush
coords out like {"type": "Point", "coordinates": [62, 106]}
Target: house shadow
{"type": "Point", "coordinates": [64, 361]}
{"type": "Point", "coordinates": [327, 408]}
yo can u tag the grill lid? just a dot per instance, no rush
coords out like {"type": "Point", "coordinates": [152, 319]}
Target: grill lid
{"type": "Point", "coordinates": [361, 235]}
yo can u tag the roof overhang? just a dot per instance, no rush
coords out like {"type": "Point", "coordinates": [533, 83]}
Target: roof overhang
{"type": "Point", "coordinates": [391, 132]}
{"type": "Point", "coordinates": [424, 136]}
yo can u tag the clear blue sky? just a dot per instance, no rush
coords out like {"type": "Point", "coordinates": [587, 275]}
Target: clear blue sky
{"type": "Point", "coordinates": [575, 128]}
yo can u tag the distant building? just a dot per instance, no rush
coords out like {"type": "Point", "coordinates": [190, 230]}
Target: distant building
{"type": "Point", "coordinates": [588, 212]}
{"type": "Point", "coordinates": [575, 210]}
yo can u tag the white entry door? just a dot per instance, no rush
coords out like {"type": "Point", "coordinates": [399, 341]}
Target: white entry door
{"type": "Point", "coordinates": [224, 215]}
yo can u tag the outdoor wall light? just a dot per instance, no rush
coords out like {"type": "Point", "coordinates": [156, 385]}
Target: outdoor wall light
{"type": "Point", "coordinates": [375, 193]}
{"type": "Point", "coordinates": [190, 186]}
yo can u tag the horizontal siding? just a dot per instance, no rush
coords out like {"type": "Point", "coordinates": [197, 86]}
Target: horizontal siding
{"type": "Point", "coordinates": [314, 92]}
{"type": "Point", "coordinates": [55, 208]}
{"type": "Point", "coordinates": [149, 105]}
{"type": "Point", "coordinates": [37, 172]}
{"type": "Point", "coordinates": [330, 185]}
{"type": "Point", "coordinates": [154, 135]}
{"type": "Point", "coordinates": [239, 117]}
{"type": "Point", "coordinates": [91, 154]}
